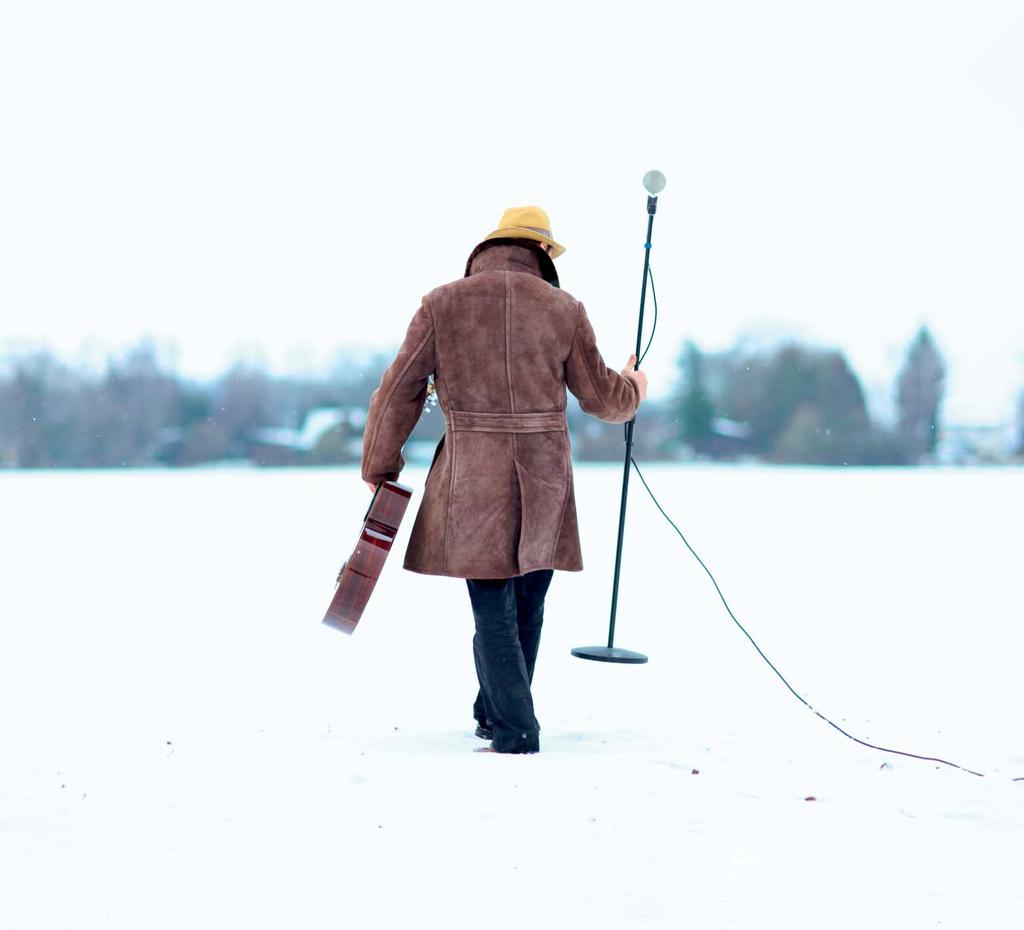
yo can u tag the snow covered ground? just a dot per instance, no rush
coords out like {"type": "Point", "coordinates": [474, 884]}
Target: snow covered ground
{"type": "Point", "coordinates": [183, 744]}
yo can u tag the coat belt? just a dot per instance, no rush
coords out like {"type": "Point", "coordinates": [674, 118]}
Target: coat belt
{"type": "Point", "coordinates": [546, 422]}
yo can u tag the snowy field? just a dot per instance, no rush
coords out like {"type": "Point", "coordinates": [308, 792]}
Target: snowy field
{"type": "Point", "coordinates": [184, 745]}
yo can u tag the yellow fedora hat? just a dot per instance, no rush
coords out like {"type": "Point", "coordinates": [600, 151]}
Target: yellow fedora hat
{"type": "Point", "coordinates": [527, 223]}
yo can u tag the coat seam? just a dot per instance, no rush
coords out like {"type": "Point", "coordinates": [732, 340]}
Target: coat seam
{"type": "Point", "coordinates": [451, 499]}
{"type": "Point", "coordinates": [448, 445]}
{"type": "Point", "coordinates": [512, 402]}
{"type": "Point", "coordinates": [576, 328]}
{"type": "Point", "coordinates": [508, 341]}
{"type": "Point", "coordinates": [437, 353]}
{"type": "Point", "coordinates": [565, 500]}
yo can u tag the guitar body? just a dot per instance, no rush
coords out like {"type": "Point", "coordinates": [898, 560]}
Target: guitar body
{"type": "Point", "coordinates": [359, 574]}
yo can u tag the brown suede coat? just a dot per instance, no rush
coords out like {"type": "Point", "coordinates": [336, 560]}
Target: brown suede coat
{"type": "Point", "coordinates": [503, 343]}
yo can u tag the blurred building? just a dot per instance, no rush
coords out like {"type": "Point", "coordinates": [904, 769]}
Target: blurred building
{"type": "Point", "coordinates": [337, 429]}
{"type": "Point", "coordinates": [976, 444]}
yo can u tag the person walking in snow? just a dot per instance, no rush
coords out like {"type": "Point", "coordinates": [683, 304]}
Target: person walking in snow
{"type": "Point", "coordinates": [502, 344]}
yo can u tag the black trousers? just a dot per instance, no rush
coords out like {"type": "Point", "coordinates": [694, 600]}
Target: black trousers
{"type": "Point", "coordinates": [509, 614]}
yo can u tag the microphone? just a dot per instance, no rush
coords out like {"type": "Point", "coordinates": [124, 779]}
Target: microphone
{"type": "Point", "coordinates": [654, 183]}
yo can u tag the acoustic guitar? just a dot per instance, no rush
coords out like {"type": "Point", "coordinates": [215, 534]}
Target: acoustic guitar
{"type": "Point", "coordinates": [360, 571]}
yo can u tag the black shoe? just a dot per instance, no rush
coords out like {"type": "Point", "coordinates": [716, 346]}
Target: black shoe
{"type": "Point", "coordinates": [484, 731]}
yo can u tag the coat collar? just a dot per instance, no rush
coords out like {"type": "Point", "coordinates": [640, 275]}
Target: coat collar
{"type": "Point", "coordinates": [512, 255]}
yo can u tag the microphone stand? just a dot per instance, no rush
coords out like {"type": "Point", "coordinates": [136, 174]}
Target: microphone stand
{"type": "Point", "coordinates": [611, 652]}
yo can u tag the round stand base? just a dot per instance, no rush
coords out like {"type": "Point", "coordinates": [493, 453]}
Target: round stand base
{"type": "Point", "coordinates": [609, 654]}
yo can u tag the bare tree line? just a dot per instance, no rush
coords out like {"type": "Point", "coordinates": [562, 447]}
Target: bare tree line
{"type": "Point", "coordinates": [805, 404]}
{"type": "Point", "coordinates": [792, 403]}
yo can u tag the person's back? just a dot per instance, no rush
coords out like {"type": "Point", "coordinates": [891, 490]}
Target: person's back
{"type": "Point", "coordinates": [513, 340]}
{"type": "Point", "coordinates": [503, 345]}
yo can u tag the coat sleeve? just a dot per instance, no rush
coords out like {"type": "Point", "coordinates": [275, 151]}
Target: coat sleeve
{"type": "Point", "coordinates": [601, 391]}
{"type": "Point", "coordinates": [397, 402]}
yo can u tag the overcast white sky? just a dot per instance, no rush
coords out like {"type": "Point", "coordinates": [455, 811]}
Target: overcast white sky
{"type": "Point", "coordinates": [280, 180]}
